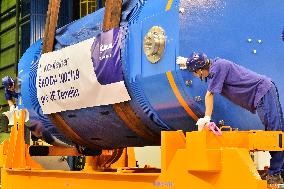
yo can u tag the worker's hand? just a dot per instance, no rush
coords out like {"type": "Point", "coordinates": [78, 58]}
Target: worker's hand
{"type": "Point", "coordinates": [12, 108]}
{"type": "Point", "coordinates": [181, 61]}
{"type": "Point", "coordinates": [202, 122]}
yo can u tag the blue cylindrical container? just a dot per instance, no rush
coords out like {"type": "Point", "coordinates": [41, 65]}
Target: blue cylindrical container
{"type": "Point", "coordinates": [164, 97]}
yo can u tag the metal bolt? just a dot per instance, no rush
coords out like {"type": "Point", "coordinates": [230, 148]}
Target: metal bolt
{"type": "Point", "coordinates": [188, 82]}
{"type": "Point", "coordinates": [181, 10]}
{"type": "Point", "coordinates": [63, 158]}
{"type": "Point", "coordinates": [197, 98]}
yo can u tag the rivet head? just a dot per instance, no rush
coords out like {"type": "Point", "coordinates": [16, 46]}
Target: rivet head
{"type": "Point", "coordinates": [181, 10]}
{"type": "Point", "coordinates": [254, 51]}
{"type": "Point", "coordinates": [259, 41]}
{"type": "Point", "coordinates": [188, 82]}
{"type": "Point", "coordinates": [197, 98]}
{"type": "Point", "coordinates": [249, 40]}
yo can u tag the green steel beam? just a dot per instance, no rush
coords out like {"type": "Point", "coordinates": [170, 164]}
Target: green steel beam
{"type": "Point", "coordinates": [7, 11]}
{"type": "Point", "coordinates": [7, 47]}
{"type": "Point", "coordinates": [22, 22]}
{"type": "Point", "coordinates": [6, 67]}
{"type": "Point", "coordinates": [8, 16]}
{"type": "Point", "coordinates": [6, 4]}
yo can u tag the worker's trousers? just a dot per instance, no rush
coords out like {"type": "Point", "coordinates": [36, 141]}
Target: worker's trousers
{"type": "Point", "coordinates": [270, 113]}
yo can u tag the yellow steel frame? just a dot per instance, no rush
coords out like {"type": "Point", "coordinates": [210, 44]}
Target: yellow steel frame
{"type": "Point", "coordinates": [198, 160]}
{"type": "Point", "coordinates": [92, 4]}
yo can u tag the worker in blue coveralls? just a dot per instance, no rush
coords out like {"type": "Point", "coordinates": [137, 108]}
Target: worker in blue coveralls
{"type": "Point", "coordinates": [10, 91]}
{"type": "Point", "coordinates": [254, 92]}
{"type": "Point", "coordinates": [37, 129]}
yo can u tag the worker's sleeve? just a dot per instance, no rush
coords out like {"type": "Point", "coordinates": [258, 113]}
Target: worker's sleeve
{"type": "Point", "coordinates": [217, 77]}
{"type": "Point", "coordinates": [16, 95]}
{"type": "Point", "coordinates": [8, 95]}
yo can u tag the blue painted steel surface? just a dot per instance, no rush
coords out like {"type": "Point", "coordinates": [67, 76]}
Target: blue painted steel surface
{"type": "Point", "coordinates": [159, 94]}
{"type": "Point", "coordinates": [85, 28]}
{"type": "Point", "coordinates": [165, 64]}
{"type": "Point", "coordinates": [99, 125]}
{"type": "Point", "coordinates": [222, 28]}
{"type": "Point", "coordinates": [218, 28]}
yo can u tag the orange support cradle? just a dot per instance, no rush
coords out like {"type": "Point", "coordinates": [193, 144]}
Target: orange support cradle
{"type": "Point", "coordinates": [198, 160]}
{"type": "Point", "coordinates": [15, 149]}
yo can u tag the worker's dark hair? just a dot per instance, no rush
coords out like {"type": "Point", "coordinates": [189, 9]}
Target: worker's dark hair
{"type": "Point", "coordinates": [206, 65]}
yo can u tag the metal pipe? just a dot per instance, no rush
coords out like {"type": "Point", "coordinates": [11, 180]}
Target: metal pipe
{"type": "Point", "coordinates": [17, 37]}
{"type": "Point", "coordinates": [100, 3]}
{"type": "Point", "coordinates": [76, 10]}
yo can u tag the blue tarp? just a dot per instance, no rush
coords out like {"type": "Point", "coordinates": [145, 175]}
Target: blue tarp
{"type": "Point", "coordinates": [89, 26]}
